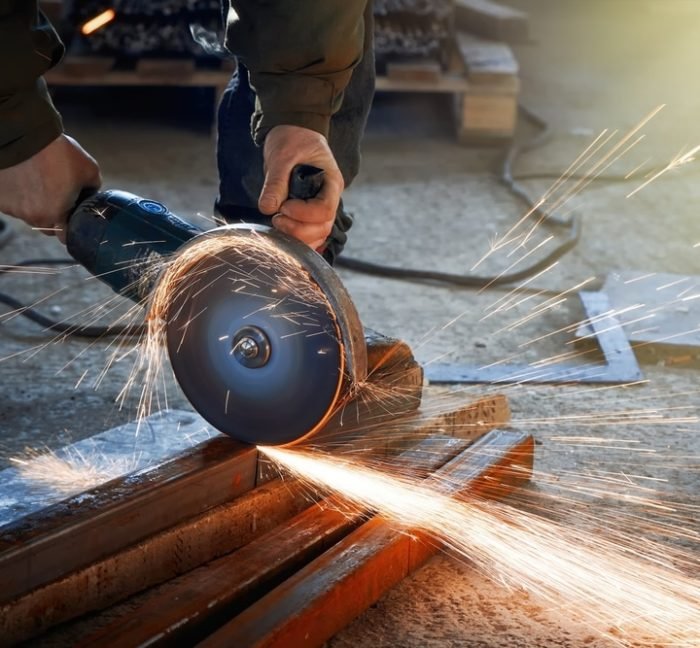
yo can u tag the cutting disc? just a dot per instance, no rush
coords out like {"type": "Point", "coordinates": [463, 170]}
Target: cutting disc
{"type": "Point", "coordinates": [262, 336]}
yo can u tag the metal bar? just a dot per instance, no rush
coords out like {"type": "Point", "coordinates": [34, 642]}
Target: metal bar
{"type": "Point", "coordinates": [67, 536]}
{"type": "Point", "coordinates": [153, 561]}
{"type": "Point", "coordinates": [329, 592]}
{"type": "Point", "coordinates": [70, 534]}
{"type": "Point", "coordinates": [183, 613]}
{"type": "Point", "coordinates": [389, 431]}
{"type": "Point", "coordinates": [139, 444]}
{"type": "Point", "coordinates": [200, 539]}
{"type": "Point", "coordinates": [620, 365]}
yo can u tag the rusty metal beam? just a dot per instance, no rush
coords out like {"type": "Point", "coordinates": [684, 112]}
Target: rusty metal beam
{"type": "Point", "coordinates": [74, 533]}
{"type": "Point", "coordinates": [153, 561]}
{"type": "Point", "coordinates": [323, 597]}
{"type": "Point", "coordinates": [195, 540]}
{"type": "Point", "coordinates": [70, 535]}
{"type": "Point", "coordinates": [184, 612]}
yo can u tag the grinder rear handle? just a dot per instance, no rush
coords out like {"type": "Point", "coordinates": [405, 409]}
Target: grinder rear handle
{"type": "Point", "coordinates": [117, 235]}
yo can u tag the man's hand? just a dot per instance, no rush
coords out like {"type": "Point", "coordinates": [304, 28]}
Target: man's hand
{"type": "Point", "coordinates": [43, 189]}
{"type": "Point", "coordinates": [309, 221]}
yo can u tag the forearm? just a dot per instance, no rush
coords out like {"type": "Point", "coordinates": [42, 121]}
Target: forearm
{"type": "Point", "coordinates": [28, 47]}
{"type": "Point", "coordinates": [300, 55]}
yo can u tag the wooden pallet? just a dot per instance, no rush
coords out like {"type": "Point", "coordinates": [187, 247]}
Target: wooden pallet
{"type": "Point", "coordinates": [492, 20]}
{"type": "Point", "coordinates": [482, 77]}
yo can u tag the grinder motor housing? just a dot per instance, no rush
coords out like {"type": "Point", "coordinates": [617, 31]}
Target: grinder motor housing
{"type": "Point", "coordinates": [250, 371]}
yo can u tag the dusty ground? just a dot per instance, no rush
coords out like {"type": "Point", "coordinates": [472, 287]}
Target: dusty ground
{"type": "Point", "coordinates": [422, 200]}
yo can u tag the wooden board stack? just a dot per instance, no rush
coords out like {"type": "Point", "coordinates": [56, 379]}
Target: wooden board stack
{"type": "Point", "coordinates": [481, 73]}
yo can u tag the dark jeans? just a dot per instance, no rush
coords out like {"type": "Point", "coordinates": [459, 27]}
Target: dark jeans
{"type": "Point", "coordinates": [240, 161]}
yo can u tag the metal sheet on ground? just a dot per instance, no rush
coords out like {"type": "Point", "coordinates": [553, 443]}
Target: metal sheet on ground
{"type": "Point", "coordinates": [619, 365]}
{"type": "Point", "coordinates": [135, 446]}
{"type": "Point", "coordinates": [659, 312]}
{"type": "Point", "coordinates": [78, 531]}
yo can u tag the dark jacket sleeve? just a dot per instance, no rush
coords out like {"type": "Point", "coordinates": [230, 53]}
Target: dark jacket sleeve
{"type": "Point", "coordinates": [300, 55]}
{"type": "Point", "coordinates": [28, 47]}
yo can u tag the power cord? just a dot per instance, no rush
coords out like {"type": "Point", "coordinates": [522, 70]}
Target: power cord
{"type": "Point", "coordinates": [570, 228]}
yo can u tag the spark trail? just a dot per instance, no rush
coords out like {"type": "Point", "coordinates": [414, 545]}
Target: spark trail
{"type": "Point", "coordinates": [72, 471]}
{"type": "Point", "coordinates": [610, 583]}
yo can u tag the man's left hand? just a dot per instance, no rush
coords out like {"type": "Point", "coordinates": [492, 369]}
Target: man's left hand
{"type": "Point", "coordinates": [309, 221]}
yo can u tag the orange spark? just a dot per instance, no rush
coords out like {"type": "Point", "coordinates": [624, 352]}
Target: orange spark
{"type": "Point", "coordinates": [610, 582]}
{"type": "Point", "coordinates": [99, 21]}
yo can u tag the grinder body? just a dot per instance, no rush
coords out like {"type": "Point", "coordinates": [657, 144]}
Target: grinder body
{"type": "Point", "coordinates": [119, 238]}
{"type": "Point", "coordinates": [310, 354]}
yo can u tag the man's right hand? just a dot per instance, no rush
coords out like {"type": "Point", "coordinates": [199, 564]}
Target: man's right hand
{"type": "Point", "coordinates": [43, 189]}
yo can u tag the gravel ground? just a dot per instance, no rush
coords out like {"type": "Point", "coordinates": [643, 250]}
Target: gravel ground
{"type": "Point", "coordinates": [422, 200]}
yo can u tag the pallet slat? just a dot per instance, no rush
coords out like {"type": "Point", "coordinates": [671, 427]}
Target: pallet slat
{"type": "Point", "coordinates": [489, 109]}
{"type": "Point", "coordinates": [492, 20]}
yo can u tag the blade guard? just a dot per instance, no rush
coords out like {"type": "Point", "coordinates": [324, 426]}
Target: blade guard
{"type": "Point", "coordinates": [240, 358]}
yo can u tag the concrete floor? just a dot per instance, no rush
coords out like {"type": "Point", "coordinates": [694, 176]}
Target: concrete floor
{"type": "Point", "coordinates": [422, 200]}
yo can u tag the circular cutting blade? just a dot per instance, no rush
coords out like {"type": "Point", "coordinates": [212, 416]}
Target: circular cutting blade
{"type": "Point", "coordinates": [262, 337]}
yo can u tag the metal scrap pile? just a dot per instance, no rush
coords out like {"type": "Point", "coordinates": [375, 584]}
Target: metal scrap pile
{"type": "Point", "coordinates": [411, 29]}
{"type": "Point", "coordinates": [404, 29]}
{"type": "Point", "coordinates": [158, 28]}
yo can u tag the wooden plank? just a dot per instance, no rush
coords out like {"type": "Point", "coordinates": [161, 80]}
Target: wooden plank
{"type": "Point", "coordinates": [425, 70]}
{"type": "Point", "coordinates": [152, 561]}
{"type": "Point", "coordinates": [492, 20]}
{"type": "Point", "coordinates": [488, 111]}
{"type": "Point", "coordinates": [200, 78]}
{"type": "Point", "coordinates": [158, 68]}
{"type": "Point", "coordinates": [74, 533]}
{"type": "Point", "coordinates": [79, 67]}
{"type": "Point", "coordinates": [181, 613]}
{"type": "Point", "coordinates": [486, 117]}
{"type": "Point", "coordinates": [323, 597]}
{"type": "Point", "coordinates": [448, 82]}
{"type": "Point", "coordinates": [488, 63]}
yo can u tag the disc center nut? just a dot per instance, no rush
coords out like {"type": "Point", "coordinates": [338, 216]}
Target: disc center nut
{"type": "Point", "coordinates": [251, 347]}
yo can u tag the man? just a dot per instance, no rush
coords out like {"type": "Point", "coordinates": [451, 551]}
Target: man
{"type": "Point", "coordinates": [286, 105]}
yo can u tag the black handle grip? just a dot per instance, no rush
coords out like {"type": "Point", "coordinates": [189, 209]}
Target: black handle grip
{"type": "Point", "coordinates": [87, 192]}
{"type": "Point", "coordinates": [306, 182]}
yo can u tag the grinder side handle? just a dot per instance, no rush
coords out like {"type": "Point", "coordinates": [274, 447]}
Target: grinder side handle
{"type": "Point", "coordinates": [305, 182]}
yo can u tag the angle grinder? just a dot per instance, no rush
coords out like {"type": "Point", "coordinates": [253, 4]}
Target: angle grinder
{"type": "Point", "coordinates": [256, 358]}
